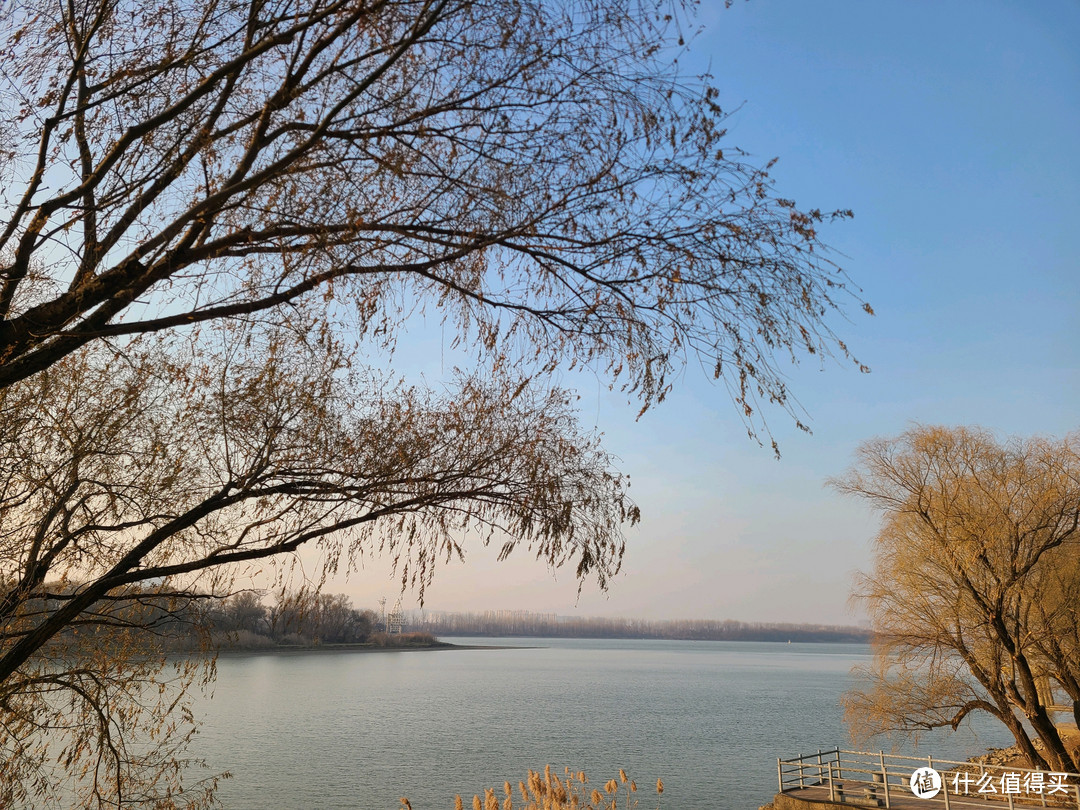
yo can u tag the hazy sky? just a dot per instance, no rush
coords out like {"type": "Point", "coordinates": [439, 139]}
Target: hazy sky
{"type": "Point", "coordinates": [952, 130]}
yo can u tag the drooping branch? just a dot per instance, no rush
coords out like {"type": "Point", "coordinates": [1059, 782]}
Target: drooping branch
{"type": "Point", "coordinates": [549, 168]}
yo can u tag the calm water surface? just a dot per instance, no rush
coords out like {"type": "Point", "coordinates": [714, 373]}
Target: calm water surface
{"type": "Point", "coordinates": [359, 730]}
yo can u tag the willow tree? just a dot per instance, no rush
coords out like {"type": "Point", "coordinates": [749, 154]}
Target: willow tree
{"type": "Point", "coordinates": [217, 219]}
{"type": "Point", "coordinates": [974, 591]}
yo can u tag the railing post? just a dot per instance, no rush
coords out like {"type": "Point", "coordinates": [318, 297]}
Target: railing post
{"type": "Point", "coordinates": [884, 778]}
{"type": "Point", "coordinates": [820, 772]}
{"type": "Point", "coordinates": [945, 791]}
{"type": "Point", "coordinates": [839, 770]}
{"type": "Point", "coordinates": [832, 790]}
{"type": "Point", "coordinates": [779, 775]}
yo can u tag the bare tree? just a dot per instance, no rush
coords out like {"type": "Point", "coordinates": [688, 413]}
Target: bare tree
{"type": "Point", "coordinates": [214, 215]}
{"type": "Point", "coordinates": [148, 469]}
{"type": "Point", "coordinates": [973, 592]}
{"type": "Point", "coordinates": [533, 170]}
{"type": "Point", "coordinates": [246, 612]}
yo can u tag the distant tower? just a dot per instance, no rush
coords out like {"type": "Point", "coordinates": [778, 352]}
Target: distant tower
{"type": "Point", "coordinates": [396, 618]}
{"type": "Point", "coordinates": [382, 615]}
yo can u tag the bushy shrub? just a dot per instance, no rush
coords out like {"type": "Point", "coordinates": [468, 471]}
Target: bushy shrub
{"type": "Point", "coordinates": [242, 640]}
{"type": "Point", "coordinates": [402, 639]}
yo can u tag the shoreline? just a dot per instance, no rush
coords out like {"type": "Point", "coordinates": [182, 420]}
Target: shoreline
{"type": "Point", "coordinates": [1011, 757]}
{"type": "Point", "coordinates": [360, 648]}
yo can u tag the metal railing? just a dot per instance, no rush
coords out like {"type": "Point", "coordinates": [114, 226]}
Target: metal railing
{"type": "Point", "coordinates": [877, 779]}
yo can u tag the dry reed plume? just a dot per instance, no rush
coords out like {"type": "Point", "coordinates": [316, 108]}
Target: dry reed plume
{"type": "Point", "coordinates": [549, 792]}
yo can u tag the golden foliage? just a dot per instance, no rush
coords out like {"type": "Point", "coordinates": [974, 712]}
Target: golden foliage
{"type": "Point", "coordinates": [975, 586]}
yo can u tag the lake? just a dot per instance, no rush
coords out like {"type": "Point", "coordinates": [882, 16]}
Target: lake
{"type": "Point", "coordinates": [359, 730]}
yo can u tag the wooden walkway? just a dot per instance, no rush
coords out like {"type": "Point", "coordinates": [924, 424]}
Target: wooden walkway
{"type": "Point", "coordinates": [836, 778]}
{"type": "Point", "coordinates": [855, 795]}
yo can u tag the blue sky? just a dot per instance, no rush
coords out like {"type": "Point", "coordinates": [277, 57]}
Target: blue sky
{"type": "Point", "coordinates": [951, 129]}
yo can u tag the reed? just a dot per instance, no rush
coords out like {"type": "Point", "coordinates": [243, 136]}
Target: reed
{"type": "Point", "coordinates": [548, 791]}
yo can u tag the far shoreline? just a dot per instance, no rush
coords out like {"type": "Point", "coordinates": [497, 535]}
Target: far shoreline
{"type": "Point", "coordinates": [367, 647]}
{"type": "Point", "coordinates": [360, 647]}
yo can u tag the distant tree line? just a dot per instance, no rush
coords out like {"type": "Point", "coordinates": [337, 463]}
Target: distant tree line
{"type": "Point", "coordinates": [296, 618]}
{"type": "Point", "coordinates": [290, 619]}
{"type": "Point", "coordinates": [306, 618]}
{"type": "Point", "coordinates": [293, 618]}
{"type": "Point", "coordinates": [524, 623]}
